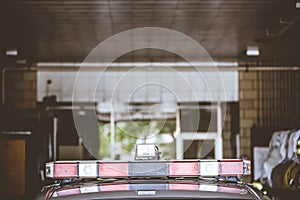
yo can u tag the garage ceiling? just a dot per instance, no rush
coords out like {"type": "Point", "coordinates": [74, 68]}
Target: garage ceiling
{"type": "Point", "coordinates": [66, 30]}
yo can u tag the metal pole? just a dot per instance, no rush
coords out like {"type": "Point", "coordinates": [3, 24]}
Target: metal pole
{"type": "Point", "coordinates": [219, 138]}
{"type": "Point", "coordinates": [112, 135]}
{"type": "Point", "coordinates": [237, 140]}
{"type": "Point", "coordinates": [218, 66]}
{"type": "Point", "coordinates": [179, 141]}
{"type": "Point", "coordinates": [55, 121]}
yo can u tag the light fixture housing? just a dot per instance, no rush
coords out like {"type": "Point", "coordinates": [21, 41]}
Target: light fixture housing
{"type": "Point", "coordinates": [11, 52]}
{"type": "Point", "coordinates": [146, 152]}
{"type": "Point", "coordinates": [252, 51]}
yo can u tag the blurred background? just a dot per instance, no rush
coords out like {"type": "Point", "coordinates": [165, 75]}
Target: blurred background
{"type": "Point", "coordinates": [254, 45]}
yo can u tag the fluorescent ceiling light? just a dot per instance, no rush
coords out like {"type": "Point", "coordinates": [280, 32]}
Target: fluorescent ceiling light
{"type": "Point", "coordinates": [11, 52]}
{"type": "Point", "coordinates": [252, 51]}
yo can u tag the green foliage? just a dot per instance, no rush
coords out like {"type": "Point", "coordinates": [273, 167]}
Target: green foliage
{"type": "Point", "coordinates": [125, 138]}
{"type": "Point", "coordinates": [104, 138]}
{"type": "Point", "coordinates": [127, 133]}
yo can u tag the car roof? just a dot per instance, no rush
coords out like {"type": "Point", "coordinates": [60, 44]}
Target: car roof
{"type": "Point", "coordinates": [149, 188]}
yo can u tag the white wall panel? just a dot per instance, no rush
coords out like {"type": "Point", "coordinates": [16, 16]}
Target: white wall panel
{"type": "Point", "coordinates": [146, 86]}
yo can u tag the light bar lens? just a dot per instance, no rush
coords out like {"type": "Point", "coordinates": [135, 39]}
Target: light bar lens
{"type": "Point", "coordinates": [65, 170]}
{"type": "Point", "coordinates": [148, 169]}
{"type": "Point", "coordinates": [231, 168]}
{"type": "Point", "coordinates": [88, 169]}
{"type": "Point", "coordinates": [209, 168]}
{"type": "Point", "coordinates": [183, 168]}
{"type": "Point", "coordinates": [113, 169]}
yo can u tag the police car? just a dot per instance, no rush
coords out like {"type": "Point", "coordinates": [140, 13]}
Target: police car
{"type": "Point", "coordinates": [147, 177]}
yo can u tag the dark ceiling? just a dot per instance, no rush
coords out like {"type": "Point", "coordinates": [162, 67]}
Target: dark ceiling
{"type": "Point", "coordinates": [66, 30]}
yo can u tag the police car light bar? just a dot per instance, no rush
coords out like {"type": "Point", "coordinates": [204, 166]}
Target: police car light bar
{"type": "Point", "coordinates": [175, 168]}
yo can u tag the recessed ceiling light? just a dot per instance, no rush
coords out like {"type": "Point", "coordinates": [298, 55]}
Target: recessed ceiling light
{"type": "Point", "coordinates": [21, 61]}
{"type": "Point", "coordinates": [297, 4]}
{"type": "Point", "coordinates": [252, 51]}
{"type": "Point", "coordinates": [11, 52]}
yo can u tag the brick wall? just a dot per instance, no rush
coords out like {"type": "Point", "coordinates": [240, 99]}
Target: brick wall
{"type": "Point", "coordinates": [267, 98]}
{"type": "Point", "coordinates": [278, 97]}
{"type": "Point", "coordinates": [20, 90]}
{"type": "Point", "coordinates": [248, 108]}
